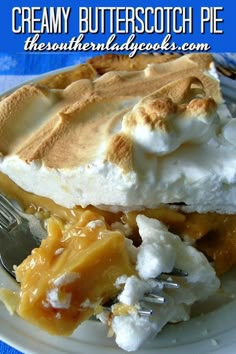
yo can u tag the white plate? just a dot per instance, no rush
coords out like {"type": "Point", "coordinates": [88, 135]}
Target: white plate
{"type": "Point", "coordinates": [211, 330]}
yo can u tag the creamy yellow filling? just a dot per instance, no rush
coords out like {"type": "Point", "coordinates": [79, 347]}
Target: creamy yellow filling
{"type": "Point", "coordinates": [73, 272]}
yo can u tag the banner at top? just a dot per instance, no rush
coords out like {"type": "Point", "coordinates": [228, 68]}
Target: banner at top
{"type": "Point", "coordinates": [88, 26]}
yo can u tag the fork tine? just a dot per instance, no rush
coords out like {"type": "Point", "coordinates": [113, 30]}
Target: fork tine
{"type": "Point", "coordinates": [154, 298]}
{"type": "Point", "coordinates": [19, 235]}
{"type": "Point", "coordinates": [5, 203]}
{"type": "Point", "coordinates": [145, 311]}
{"type": "Point", "coordinates": [8, 216]}
{"type": "Point", "coordinates": [168, 284]}
{"type": "Point", "coordinates": [3, 221]}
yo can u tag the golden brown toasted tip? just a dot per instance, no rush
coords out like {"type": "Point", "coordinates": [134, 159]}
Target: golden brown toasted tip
{"type": "Point", "coordinates": [63, 79]}
{"type": "Point", "coordinates": [17, 113]}
{"type": "Point", "coordinates": [203, 106]}
{"type": "Point", "coordinates": [120, 151]}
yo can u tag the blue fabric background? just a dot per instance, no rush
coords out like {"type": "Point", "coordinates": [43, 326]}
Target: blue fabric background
{"type": "Point", "coordinates": [6, 349]}
{"type": "Point", "coordinates": [34, 64]}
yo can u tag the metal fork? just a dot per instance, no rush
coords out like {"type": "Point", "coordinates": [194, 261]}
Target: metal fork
{"type": "Point", "coordinates": [162, 282]}
{"type": "Point", "coordinates": [20, 233]}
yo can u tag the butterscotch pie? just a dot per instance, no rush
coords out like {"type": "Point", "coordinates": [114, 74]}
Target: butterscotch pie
{"type": "Point", "coordinates": [131, 165]}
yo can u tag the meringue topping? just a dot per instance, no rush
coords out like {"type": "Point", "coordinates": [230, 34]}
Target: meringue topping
{"type": "Point", "coordinates": [126, 139]}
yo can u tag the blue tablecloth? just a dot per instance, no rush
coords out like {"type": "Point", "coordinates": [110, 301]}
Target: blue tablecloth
{"type": "Point", "coordinates": [6, 349]}
{"type": "Point", "coordinates": [19, 67]}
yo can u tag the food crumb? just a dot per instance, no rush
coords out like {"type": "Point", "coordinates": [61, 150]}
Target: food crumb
{"type": "Point", "coordinates": [58, 316]}
{"type": "Point", "coordinates": [59, 251]}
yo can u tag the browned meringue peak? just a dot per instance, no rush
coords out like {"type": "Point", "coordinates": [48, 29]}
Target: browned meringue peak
{"type": "Point", "coordinates": [156, 109]}
{"type": "Point", "coordinates": [73, 130]}
{"type": "Point", "coordinates": [160, 122]}
{"type": "Point", "coordinates": [197, 65]}
{"type": "Point", "coordinates": [119, 62]}
{"type": "Point", "coordinates": [18, 112]}
{"type": "Point", "coordinates": [64, 78]}
{"type": "Point", "coordinates": [156, 113]}
{"type": "Point", "coordinates": [156, 76]}
{"type": "Point", "coordinates": [120, 152]}
{"type": "Point", "coordinates": [183, 90]}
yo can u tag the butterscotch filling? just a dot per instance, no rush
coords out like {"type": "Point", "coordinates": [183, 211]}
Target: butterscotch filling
{"type": "Point", "coordinates": [72, 273]}
{"type": "Point", "coordinates": [214, 234]}
{"type": "Point", "coordinates": [67, 279]}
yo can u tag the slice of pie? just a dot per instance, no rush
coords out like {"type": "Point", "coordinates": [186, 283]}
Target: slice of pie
{"type": "Point", "coordinates": [121, 150]}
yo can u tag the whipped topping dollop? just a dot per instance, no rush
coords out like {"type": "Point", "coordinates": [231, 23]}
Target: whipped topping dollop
{"type": "Point", "coordinates": [160, 252]}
